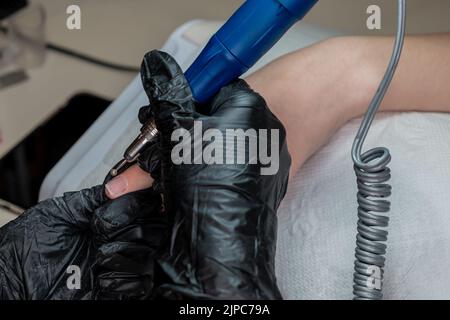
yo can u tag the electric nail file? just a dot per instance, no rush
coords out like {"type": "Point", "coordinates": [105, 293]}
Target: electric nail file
{"type": "Point", "coordinates": [252, 31]}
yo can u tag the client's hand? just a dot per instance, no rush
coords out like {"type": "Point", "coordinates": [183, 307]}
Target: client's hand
{"type": "Point", "coordinates": [48, 252]}
{"type": "Point", "coordinates": [220, 199]}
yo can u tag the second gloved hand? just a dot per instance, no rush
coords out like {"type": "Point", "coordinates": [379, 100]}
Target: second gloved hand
{"type": "Point", "coordinates": [49, 251]}
{"type": "Point", "coordinates": [221, 198]}
{"type": "Point", "coordinates": [131, 231]}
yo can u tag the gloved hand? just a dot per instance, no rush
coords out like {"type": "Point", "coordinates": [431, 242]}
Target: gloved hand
{"type": "Point", "coordinates": [223, 215]}
{"type": "Point", "coordinates": [131, 230]}
{"type": "Point", "coordinates": [48, 252]}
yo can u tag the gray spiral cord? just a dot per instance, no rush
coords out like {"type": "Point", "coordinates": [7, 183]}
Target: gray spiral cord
{"type": "Point", "coordinates": [372, 174]}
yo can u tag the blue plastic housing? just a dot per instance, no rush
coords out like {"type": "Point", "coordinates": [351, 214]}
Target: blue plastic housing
{"type": "Point", "coordinates": [252, 31]}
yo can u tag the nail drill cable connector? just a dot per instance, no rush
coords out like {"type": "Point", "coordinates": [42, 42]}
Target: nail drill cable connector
{"type": "Point", "coordinates": [148, 133]}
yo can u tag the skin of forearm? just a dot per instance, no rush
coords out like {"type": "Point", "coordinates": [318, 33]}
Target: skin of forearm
{"type": "Point", "coordinates": [316, 90]}
{"type": "Point", "coordinates": [422, 79]}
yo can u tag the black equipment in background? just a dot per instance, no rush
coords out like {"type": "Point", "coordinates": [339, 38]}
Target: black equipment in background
{"type": "Point", "coordinates": [8, 7]}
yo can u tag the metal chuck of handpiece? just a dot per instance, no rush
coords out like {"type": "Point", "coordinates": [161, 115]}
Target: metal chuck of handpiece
{"type": "Point", "coordinates": [148, 133]}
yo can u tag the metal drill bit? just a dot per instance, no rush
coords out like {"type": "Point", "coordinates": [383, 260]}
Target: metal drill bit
{"type": "Point", "coordinates": [148, 133]}
{"type": "Point", "coordinates": [115, 171]}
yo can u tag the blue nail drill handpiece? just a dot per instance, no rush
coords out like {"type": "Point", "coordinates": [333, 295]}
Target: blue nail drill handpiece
{"type": "Point", "coordinates": [252, 31]}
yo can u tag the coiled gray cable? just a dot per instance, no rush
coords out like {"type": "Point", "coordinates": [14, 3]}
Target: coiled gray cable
{"type": "Point", "coordinates": [372, 174]}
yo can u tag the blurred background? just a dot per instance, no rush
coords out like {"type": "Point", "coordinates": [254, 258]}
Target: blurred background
{"type": "Point", "coordinates": [50, 93]}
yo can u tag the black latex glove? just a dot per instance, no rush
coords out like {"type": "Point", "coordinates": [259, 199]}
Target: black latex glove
{"type": "Point", "coordinates": [37, 248]}
{"type": "Point", "coordinates": [133, 230]}
{"type": "Point", "coordinates": [224, 215]}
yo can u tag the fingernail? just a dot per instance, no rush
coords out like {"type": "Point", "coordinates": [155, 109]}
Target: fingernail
{"type": "Point", "coordinates": [116, 187]}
